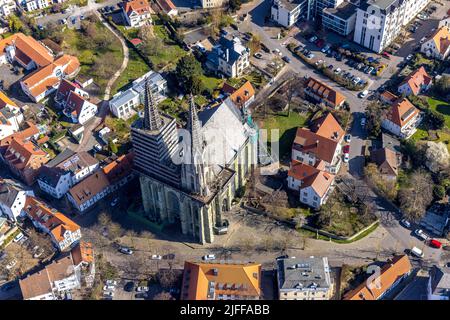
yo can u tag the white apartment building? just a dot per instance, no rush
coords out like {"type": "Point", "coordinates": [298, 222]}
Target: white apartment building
{"type": "Point", "coordinates": [341, 19]}
{"type": "Point", "coordinates": [7, 7]}
{"type": "Point", "coordinates": [32, 5]}
{"type": "Point", "coordinates": [12, 200]}
{"type": "Point", "coordinates": [288, 12]}
{"type": "Point", "coordinates": [379, 22]}
{"type": "Point", "coordinates": [230, 57]}
{"type": "Point", "coordinates": [206, 4]}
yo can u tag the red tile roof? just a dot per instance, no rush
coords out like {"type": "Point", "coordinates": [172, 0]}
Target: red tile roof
{"type": "Point", "coordinates": [138, 6]}
{"type": "Point", "coordinates": [325, 92]}
{"type": "Point", "coordinates": [401, 112]}
{"type": "Point", "coordinates": [417, 79]}
{"type": "Point", "coordinates": [310, 176]}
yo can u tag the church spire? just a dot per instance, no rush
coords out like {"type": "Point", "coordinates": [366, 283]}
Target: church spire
{"type": "Point", "coordinates": [152, 119]}
{"type": "Point", "coordinates": [194, 128]}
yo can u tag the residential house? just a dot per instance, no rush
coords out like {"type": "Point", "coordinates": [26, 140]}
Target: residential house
{"type": "Point", "coordinates": [29, 132]}
{"type": "Point", "coordinates": [62, 230]}
{"type": "Point", "coordinates": [444, 22]}
{"type": "Point", "coordinates": [221, 281]}
{"type": "Point", "coordinates": [207, 4]}
{"type": "Point", "coordinates": [32, 5]}
{"type": "Point", "coordinates": [402, 119]}
{"type": "Point", "coordinates": [243, 96]}
{"type": "Point", "coordinates": [304, 279]}
{"type": "Point", "coordinates": [84, 262]}
{"type": "Point", "coordinates": [388, 97]}
{"type": "Point", "coordinates": [313, 183]}
{"type": "Point", "coordinates": [436, 220]}
{"type": "Point", "coordinates": [439, 283]}
{"type": "Point", "coordinates": [230, 57]}
{"type": "Point", "coordinates": [438, 45]}
{"type": "Point", "coordinates": [391, 274]}
{"type": "Point", "coordinates": [137, 13]}
{"type": "Point", "coordinates": [64, 90]}
{"type": "Point", "coordinates": [64, 171]}
{"type": "Point", "coordinates": [12, 199]}
{"type": "Point", "coordinates": [7, 7]}
{"type": "Point", "coordinates": [25, 159]}
{"type": "Point", "coordinates": [52, 282]}
{"type": "Point", "coordinates": [46, 80]}
{"type": "Point", "coordinates": [24, 50]}
{"type": "Point", "coordinates": [11, 113]}
{"type": "Point", "coordinates": [321, 93]}
{"type": "Point", "coordinates": [379, 22]}
{"type": "Point", "coordinates": [124, 103]}
{"type": "Point", "coordinates": [416, 83]}
{"type": "Point", "coordinates": [322, 142]}
{"type": "Point", "coordinates": [89, 191]}
{"type": "Point", "coordinates": [78, 109]}
{"type": "Point", "coordinates": [119, 170]}
{"type": "Point", "coordinates": [168, 7]}
{"type": "Point", "coordinates": [388, 162]}
{"type": "Point", "coordinates": [287, 12]}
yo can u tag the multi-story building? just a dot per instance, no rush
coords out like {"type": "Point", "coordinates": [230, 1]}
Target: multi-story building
{"type": "Point", "coordinates": [438, 45]}
{"type": "Point", "coordinates": [7, 7]}
{"type": "Point", "coordinates": [402, 119]}
{"type": "Point", "coordinates": [379, 22]}
{"type": "Point", "coordinates": [304, 279]}
{"type": "Point", "coordinates": [32, 5]}
{"type": "Point", "coordinates": [288, 12]}
{"type": "Point", "coordinates": [415, 83]}
{"type": "Point", "coordinates": [12, 200]}
{"type": "Point", "coordinates": [137, 12]}
{"type": "Point", "coordinates": [221, 281]}
{"type": "Point", "coordinates": [207, 4]}
{"type": "Point", "coordinates": [389, 276]}
{"type": "Point", "coordinates": [229, 57]}
{"type": "Point", "coordinates": [340, 19]}
{"type": "Point", "coordinates": [321, 93]}
{"type": "Point", "coordinates": [64, 171]}
{"type": "Point", "coordinates": [124, 103]}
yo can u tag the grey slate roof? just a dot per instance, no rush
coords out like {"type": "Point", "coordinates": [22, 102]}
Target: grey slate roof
{"type": "Point", "coordinates": [8, 194]}
{"type": "Point", "coordinates": [303, 274]}
{"type": "Point", "coordinates": [65, 154]}
{"type": "Point", "coordinates": [440, 281]}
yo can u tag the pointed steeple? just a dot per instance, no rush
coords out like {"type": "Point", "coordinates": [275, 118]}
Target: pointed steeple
{"type": "Point", "coordinates": [193, 126]}
{"type": "Point", "coordinates": [152, 119]}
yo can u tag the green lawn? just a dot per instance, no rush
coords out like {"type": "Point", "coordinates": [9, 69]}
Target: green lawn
{"type": "Point", "coordinates": [211, 83]}
{"type": "Point", "coordinates": [287, 127]}
{"type": "Point", "coordinates": [441, 107]}
{"type": "Point", "coordinates": [136, 68]}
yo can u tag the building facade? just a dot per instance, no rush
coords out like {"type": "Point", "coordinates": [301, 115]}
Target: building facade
{"type": "Point", "coordinates": [287, 13]}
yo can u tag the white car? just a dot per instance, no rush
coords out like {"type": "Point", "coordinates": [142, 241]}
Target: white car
{"type": "Point", "coordinates": [356, 80]}
{"type": "Point", "coordinates": [209, 257]}
{"type": "Point", "coordinates": [142, 289]}
{"type": "Point", "coordinates": [422, 235]}
{"type": "Point", "coordinates": [326, 48]}
{"type": "Point", "coordinates": [156, 257]}
{"type": "Point", "coordinates": [18, 237]}
{"type": "Point", "coordinates": [312, 39]}
{"type": "Point", "coordinates": [406, 223]}
{"type": "Point", "coordinates": [98, 147]}
{"type": "Point", "coordinates": [348, 138]}
{"type": "Point", "coordinates": [125, 250]}
{"type": "Point", "coordinates": [363, 94]}
{"type": "Point", "coordinates": [338, 70]}
{"type": "Point", "coordinates": [346, 157]}
{"type": "Point", "coordinates": [409, 57]}
{"type": "Point", "coordinates": [310, 56]}
{"type": "Point", "coordinates": [109, 288]}
{"type": "Point", "coordinates": [11, 265]}
{"type": "Point", "coordinates": [417, 252]}
{"type": "Point", "coordinates": [111, 283]}
{"type": "Point", "coordinates": [108, 294]}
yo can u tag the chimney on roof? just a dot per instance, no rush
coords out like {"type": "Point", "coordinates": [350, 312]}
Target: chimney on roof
{"type": "Point", "coordinates": [317, 143]}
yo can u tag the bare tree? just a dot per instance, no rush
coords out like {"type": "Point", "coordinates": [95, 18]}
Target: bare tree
{"type": "Point", "coordinates": [164, 295]}
{"type": "Point", "coordinates": [415, 199]}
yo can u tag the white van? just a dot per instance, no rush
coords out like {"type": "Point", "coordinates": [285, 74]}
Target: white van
{"type": "Point", "coordinates": [417, 252]}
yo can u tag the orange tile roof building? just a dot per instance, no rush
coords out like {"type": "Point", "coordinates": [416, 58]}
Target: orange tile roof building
{"type": "Point", "coordinates": [243, 96]}
{"type": "Point", "coordinates": [391, 274]}
{"type": "Point", "coordinates": [387, 161]}
{"type": "Point", "coordinates": [63, 231]}
{"type": "Point", "coordinates": [29, 131]}
{"type": "Point", "coordinates": [221, 281]}
{"type": "Point", "coordinates": [137, 12]}
{"type": "Point", "coordinates": [25, 159]}
{"type": "Point", "coordinates": [402, 119]}
{"type": "Point", "coordinates": [323, 93]}
{"type": "Point", "coordinates": [169, 8]}
{"type": "Point", "coordinates": [438, 45]}
{"type": "Point", "coordinates": [417, 82]}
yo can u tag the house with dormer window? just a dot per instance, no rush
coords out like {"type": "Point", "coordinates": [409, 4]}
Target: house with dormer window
{"type": "Point", "coordinates": [136, 13]}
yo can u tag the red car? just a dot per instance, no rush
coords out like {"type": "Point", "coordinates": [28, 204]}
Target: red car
{"type": "Point", "coordinates": [320, 43]}
{"type": "Point", "coordinates": [435, 244]}
{"type": "Point", "coordinates": [346, 149]}
{"type": "Point", "coordinates": [386, 55]}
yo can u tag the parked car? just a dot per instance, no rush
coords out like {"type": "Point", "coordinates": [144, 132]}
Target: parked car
{"type": "Point", "coordinates": [108, 294]}
{"type": "Point", "coordinates": [346, 157]}
{"type": "Point", "coordinates": [38, 253]}
{"type": "Point", "coordinates": [18, 237]}
{"type": "Point", "coordinates": [310, 56]}
{"type": "Point", "coordinates": [422, 235]}
{"type": "Point", "coordinates": [363, 122]}
{"type": "Point", "coordinates": [126, 250]}
{"type": "Point", "coordinates": [326, 48]}
{"type": "Point", "coordinates": [370, 70]}
{"type": "Point", "coordinates": [406, 223]}
{"type": "Point", "coordinates": [356, 80]}
{"type": "Point", "coordinates": [346, 149]}
{"type": "Point", "coordinates": [285, 256]}
{"type": "Point", "coordinates": [258, 55]}
{"type": "Point", "coordinates": [286, 59]}
{"type": "Point", "coordinates": [348, 138]}
{"type": "Point", "coordinates": [109, 288]}
{"type": "Point", "coordinates": [386, 55]}
{"type": "Point", "coordinates": [129, 286]}
{"type": "Point", "coordinates": [142, 289]}
{"type": "Point", "coordinates": [435, 244]}
{"type": "Point", "coordinates": [11, 265]}
{"type": "Point", "coordinates": [417, 252]}
{"type": "Point", "coordinates": [330, 67]}
{"type": "Point", "coordinates": [312, 39]}
{"type": "Point", "coordinates": [209, 257]}
{"type": "Point", "coordinates": [111, 283]}
{"type": "Point", "coordinates": [97, 147]}
{"type": "Point", "coordinates": [363, 94]}
{"type": "Point", "coordinates": [338, 71]}
{"type": "Point", "coordinates": [409, 57]}
{"type": "Point", "coordinates": [156, 257]}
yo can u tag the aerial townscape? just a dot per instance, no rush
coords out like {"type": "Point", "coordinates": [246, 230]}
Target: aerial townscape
{"type": "Point", "coordinates": [225, 150]}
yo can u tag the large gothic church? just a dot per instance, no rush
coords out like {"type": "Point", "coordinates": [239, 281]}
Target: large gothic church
{"type": "Point", "coordinates": [190, 176]}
